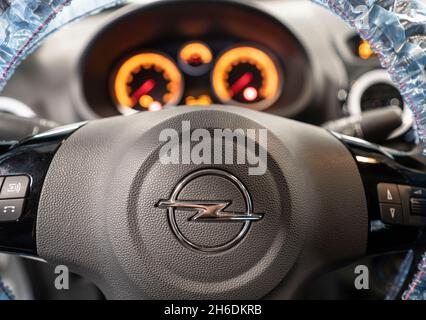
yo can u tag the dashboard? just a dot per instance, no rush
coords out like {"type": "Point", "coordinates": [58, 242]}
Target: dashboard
{"type": "Point", "coordinates": [291, 58]}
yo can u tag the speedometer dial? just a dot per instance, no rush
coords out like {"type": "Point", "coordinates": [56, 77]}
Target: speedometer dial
{"type": "Point", "coordinates": [247, 76]}
{"type": "Point", "coordinates": [147, 81]}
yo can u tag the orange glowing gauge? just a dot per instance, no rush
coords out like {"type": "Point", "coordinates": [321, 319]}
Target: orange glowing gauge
{"type": "Point", "coordinates": [195, 53]}
{"type": "Point", "coordinates": [147, 81]}
{"type": "Point", "coordinates": [195, 58]}
{"type": "Point", "coordinates": [247, 76]}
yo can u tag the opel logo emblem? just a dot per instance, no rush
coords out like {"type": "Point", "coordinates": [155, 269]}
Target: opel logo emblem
{"type": "Point", "coordinates": [210, 210]}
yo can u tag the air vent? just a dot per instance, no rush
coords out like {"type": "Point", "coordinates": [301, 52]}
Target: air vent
{"type": "Point", "coordinates": [374, 90]}
{"type": "Point", "coordinates": [381, 95]}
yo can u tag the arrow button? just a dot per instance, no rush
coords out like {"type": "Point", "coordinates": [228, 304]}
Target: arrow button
{"type": "Point", "coordinates": [391, 214]}
{"type": "Point", "coordinates": [388, 193]}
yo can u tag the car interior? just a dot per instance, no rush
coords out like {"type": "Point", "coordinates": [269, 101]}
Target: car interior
{"type": "Point", "coordinates": [80, 123]}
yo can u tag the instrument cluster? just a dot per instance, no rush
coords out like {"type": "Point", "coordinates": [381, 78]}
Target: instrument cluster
{"type": "Point", "coordinates": [197, 74]}
{"type": "Point", "coordinates": [162, 54]}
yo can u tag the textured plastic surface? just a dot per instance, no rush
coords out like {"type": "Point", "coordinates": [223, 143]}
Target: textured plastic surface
{"type": "Point", "coordinates": [97, 213]}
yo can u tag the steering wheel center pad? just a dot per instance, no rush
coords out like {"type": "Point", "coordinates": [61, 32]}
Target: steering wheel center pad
{"type": "Point", "coordinates": [98, 211]}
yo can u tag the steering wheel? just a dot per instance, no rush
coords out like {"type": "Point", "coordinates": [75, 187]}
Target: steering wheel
{"type": "Point", "coordinates": [97, 197]}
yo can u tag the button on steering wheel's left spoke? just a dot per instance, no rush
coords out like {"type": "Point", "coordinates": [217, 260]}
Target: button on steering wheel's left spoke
{"type": "Point", "coordinates": [23, 167]}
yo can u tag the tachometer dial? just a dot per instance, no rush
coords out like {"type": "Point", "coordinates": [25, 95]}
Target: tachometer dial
{"type": "Point", "coordinates": [147, 81]}
{"type": "Point", "coordinates": [247, 76]}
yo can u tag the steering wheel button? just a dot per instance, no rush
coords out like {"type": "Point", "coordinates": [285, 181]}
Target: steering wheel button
{"type": "Point", "coordinates": [418, 207]}
{"type": "Point", "coordinates": [388, 193]}
{"type": "Point", "coordinates": [391, 213]}
{"type": "Point", "coordinates": [15, 187]}
{"type": "Point", "coordinates": [417, 192]}
{"type": "Point", "coordinates": [11, 210]}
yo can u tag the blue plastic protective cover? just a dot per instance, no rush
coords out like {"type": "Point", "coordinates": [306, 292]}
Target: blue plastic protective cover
{"type": "Point", "coordinates": [396, 31]}
{"type": "Point", "coordinates": [5, 292]}
{"type": "Point", "coordinates": [25, 23]}
{"type": "Point", "coordinates": [417, 288]}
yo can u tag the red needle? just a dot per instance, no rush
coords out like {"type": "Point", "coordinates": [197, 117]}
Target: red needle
{"type": "Point", "coordinates": [145, 88]}
{"type": "Point", "coordinates": [244, 80]}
